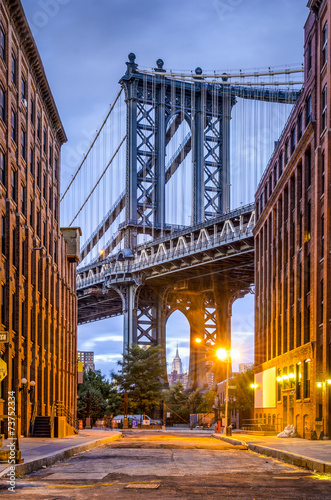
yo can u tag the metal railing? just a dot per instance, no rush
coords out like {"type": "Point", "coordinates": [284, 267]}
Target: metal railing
{"type": "Point", "coordinates": [33, 418]}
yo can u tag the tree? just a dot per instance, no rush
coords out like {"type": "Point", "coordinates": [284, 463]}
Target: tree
{"type": "Point", "coordinates": [104, 399]}
{"type": "Point", "coordinates": [207, 402]}
{"type": "Point", "coordinates": [178, 401]}
{"type": "Point", "coordinates": [140, 376]}
{"type": "Point", "coordinates": [242, 397]}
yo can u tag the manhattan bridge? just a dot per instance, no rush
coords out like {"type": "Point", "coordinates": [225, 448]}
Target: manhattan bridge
{"type": "Point", "coordinates": [164, 197]}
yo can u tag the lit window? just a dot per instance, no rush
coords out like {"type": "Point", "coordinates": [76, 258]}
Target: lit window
{"type": "Point", "coordinates": [306, 379]}
{"type": "Point", "coordinates": [298, 381]}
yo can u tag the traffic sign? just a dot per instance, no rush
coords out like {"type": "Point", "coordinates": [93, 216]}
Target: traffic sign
{"type": "Point", "coordinates": [3, 369]}
{"type": "Point", "coordinates": [4, 337]}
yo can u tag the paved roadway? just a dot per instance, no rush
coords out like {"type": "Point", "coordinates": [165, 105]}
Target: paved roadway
{"type": "Point", "coordinates": [157, 465]}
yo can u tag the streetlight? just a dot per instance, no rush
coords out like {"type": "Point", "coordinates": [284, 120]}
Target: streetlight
{"type": "Point", "coordinates": [228, 356]}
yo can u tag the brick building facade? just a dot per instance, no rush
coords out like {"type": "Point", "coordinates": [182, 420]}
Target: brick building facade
{"type": "Point", "coordinates": [292, 252]}
{"type": "Point", "coordinates": [37, 275]}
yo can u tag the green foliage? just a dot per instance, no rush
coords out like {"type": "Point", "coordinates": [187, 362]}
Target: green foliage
{"type": "Point", "coordinates": [207, 402]}
{"type": "Point", "coordinates": [242, 398]}
{"type": "Point", "coordinates": [179, 401]}
{"type": "Point", "coordinates": [141, 376]}
{"type": "Point", "coordinates": [104, 399]}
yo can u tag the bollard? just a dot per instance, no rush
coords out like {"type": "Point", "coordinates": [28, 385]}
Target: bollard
{"type": "Point", "coordinates": [219, 426]}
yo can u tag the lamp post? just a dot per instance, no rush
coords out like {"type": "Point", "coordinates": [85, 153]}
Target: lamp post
{"type": "Point", "coordinates": [228, 356]}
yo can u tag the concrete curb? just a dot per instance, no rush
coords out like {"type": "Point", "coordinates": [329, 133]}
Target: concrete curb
{"type": "Point", "coordinates": [285, 456]}
{"type": "Point", "coordinates": [47, 460]}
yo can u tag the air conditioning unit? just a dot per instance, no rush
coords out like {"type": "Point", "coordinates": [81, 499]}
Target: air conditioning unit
{"type": "Point", "coordinates": [25, 102]}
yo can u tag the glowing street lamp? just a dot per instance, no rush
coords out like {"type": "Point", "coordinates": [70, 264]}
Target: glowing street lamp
{"type": "Point", "coordinates": [228, 356]}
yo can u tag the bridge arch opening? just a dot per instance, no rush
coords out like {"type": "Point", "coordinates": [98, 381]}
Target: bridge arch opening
{"type": "Point", "coordinates": [177, 334]}
{"type": "Point", "coordinates": [242, 331]}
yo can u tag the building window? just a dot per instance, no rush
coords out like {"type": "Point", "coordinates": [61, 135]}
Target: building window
{"type": "Point", "coordinates": [306, 379]}
{"type": "Point", "coordinates": [279, 385]}
{"type": "Point", "coordinates": [309, 56]}
{"type": "Point", "coordinates": [32, 113]}
{"type": "Point", "coordinates": [300, 126]}
{"type": "Point", "coordinates": [325, 44]}
{"type": "Point", "coordinates": [14, 253]}
{"type": "Point", "coordinates": [2, 43]}
{"type": "Point", "coordinates": [13, 125]}
{"type": "Point", "coordinates": [323, 173]}
{"type": "Point", "coordinates": [322, 302]}
{"type": "Point", "coordinates": [44, 186]}
{"type": "Point", "coordinates": [38, 224]}
{"type": "Point", "coordinates": [299, 174]}
{"type": "Point", "coordinates": [322, 237]}
{"type": "Point", "coordinates": [308, 109]}
{"type": "Point", "coordinates": [324, 107]}
{"type": "Point", "coordinates": [38, 174]}
{"type": "Point", "coordinates": [308, 167]}
{"type": "Point", "coordinates": [31, 212]}
{"type": "Point", "coordinates": [14, 69]}
{"type": "Point", "coordinates": [23, 91]}
{"type": "Point", "coordinates": [32, 161]}
{"type": "Point", "coordinates": [56, 166]}
{"type": "Point", "coordinates": [275, 175]}
{"type": "Point", "coordinates": [23, 144]}
{"type": "Point", "coordinates": [307, 329]}
{"type": "Point", "coordinates": [13, 184]}
{"type": "Point", "coordinates": [280, 162]}
{"type": "Point", "coordinates": [50, 157]}
{"type": "Point", "coordinates": [23, 198]}
{"type": "Point", "coordinates": [298, 381]}
{"type": "Point", "coordinates": [2, 104]}
{"type": "Point", "coordinates": [286, 152]}
{"type": "Point", "coordinates": [45, 141]}
{"type": "Point", "coordinates": [292, 140]}
{"type": "Point", "coordinates": [2, 167]}
{"type": "Point", "coordinates": [38, 127]}
{"type": "Point", "coordinates": [309, 220]}
{"type": "Point", "coordinates": [308, 273]}
{"type": "Point", "coordinates": [3, 234]}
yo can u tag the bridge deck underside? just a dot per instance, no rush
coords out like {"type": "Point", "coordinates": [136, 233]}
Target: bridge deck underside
{"type": "Point", "coordinates": [234, 272]}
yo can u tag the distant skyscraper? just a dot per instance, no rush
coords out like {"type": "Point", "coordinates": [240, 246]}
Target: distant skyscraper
{"type": "Point", "coordinates": [177, 363]}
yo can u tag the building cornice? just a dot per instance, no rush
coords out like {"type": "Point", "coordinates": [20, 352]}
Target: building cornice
{"type": "Point", "coordinates": [29, 46]}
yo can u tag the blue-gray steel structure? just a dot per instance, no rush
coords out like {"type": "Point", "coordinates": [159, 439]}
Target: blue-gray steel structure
{"type": "Point", "coordinates": [199, 270]}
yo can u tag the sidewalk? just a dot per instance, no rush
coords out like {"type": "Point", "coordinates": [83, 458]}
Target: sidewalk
{"type": "Point", "coordinates": [39, 452]}
{"type": "Point", "coordinates": [313, 455]}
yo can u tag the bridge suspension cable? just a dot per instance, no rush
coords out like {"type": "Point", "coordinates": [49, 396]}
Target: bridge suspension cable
{"type": "Point", "coordinates": [234, 127]}
{"type": "Point", "coordinates": [92, 144]}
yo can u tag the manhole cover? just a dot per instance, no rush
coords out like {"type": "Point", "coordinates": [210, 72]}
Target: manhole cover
{"type": "Point", "coordinates": [142, 486]}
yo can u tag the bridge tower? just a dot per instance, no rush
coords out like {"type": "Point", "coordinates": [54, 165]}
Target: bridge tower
{"type": "Point", "coordinates": [156, 105]}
